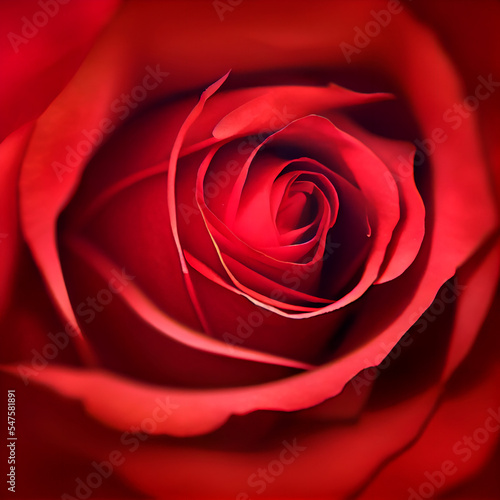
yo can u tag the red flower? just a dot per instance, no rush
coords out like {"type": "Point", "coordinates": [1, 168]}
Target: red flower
{"type": "Point", "coordinates": [253, 253]}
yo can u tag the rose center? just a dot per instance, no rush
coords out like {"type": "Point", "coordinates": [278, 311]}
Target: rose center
{"type": "Point", "coordinates": [298, 209]}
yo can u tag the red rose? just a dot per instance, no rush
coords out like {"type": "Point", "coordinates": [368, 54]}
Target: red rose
{"type": "Point", "coordinates": [253, 255]}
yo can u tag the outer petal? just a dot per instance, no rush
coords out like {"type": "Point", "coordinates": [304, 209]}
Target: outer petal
{"type": "Point", "coordinates": [409, 233]}
{"type": "Point", "coordinates": [11, 153]}
{"type": "Point", "coordinates": [456, 229]}
{"type": "Point", "coordinates": [203, 411]}
{"type": "Point", "coordinates": [470, 407]}
{"type": "Point", "coordinates": [41, 49]}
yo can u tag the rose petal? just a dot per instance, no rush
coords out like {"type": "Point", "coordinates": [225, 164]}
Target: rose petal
{"type": "Point", "coordinates": [202, 411]}
{"type": "Point", "coordinates": [481, 275]}
{"type": "Point", "coordinates": [11, 153]}
{"type": "Point", "coordinates": [51, 59]}
{"type": "Point", "coordinates": [155, 317]}
{"type": "Point", "coordinates": [471, 402]}
{"type": "Point", "coordinates": [409, 232]}
{"type": "Point", "coordinates": [260, 113]}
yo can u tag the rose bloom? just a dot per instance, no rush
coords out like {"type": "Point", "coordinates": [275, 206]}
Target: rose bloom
{"type": "Point", "coordinates": [250, 249]}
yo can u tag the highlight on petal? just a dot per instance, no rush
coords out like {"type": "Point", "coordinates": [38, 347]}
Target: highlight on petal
{"type": "Point", "coordinates": [263, 113]}
{"type": "Point", "coordinates": [11, 153]}
{"type": "Point", "coordinates": [174, 155]}
{"type": "Point", "coordinates": [156, 318]}
{"type": "Point", "coordinates": [409, 233]}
